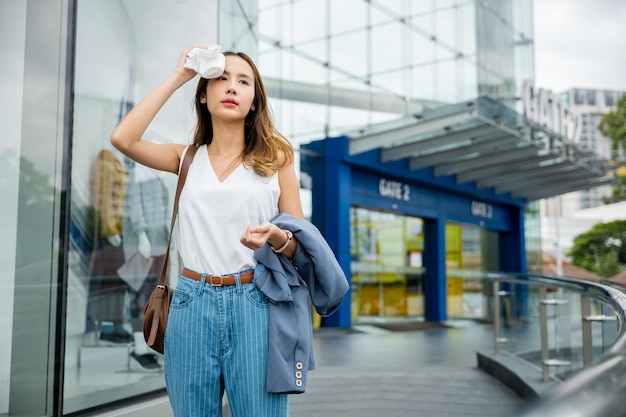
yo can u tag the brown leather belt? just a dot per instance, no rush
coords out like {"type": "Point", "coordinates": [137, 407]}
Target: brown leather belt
{"type": "Point", "coordinates": [219, 280]}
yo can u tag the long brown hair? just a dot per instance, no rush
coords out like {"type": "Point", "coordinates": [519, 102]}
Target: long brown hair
{"type": "Point", "coordinates": [265, 148]}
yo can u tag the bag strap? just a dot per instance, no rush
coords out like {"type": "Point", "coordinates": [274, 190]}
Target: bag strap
{"type": "Point", "coordinates": [182, 176]}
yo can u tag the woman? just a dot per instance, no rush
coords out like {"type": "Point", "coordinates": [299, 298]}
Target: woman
{"type": "Point", "coordinates": [242, 176]}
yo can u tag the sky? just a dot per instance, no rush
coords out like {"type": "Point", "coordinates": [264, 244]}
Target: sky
{"type": "Point", "coordinates": [580, 43]}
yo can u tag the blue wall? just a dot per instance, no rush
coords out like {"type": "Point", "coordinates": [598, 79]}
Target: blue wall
{"type": "Point", "coordinates": [340, 181]}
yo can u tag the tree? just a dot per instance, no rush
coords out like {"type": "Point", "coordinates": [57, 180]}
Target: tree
{"type": "Point", "coordinates": [613, 126]}
{"type": "Point", "coordinates": [601, 249]}
{"type": "Point", "coordinates": [619, 189]}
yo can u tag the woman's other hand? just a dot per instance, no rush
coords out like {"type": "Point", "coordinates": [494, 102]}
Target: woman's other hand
{"type": "Point", "coordinates": [256, 236]}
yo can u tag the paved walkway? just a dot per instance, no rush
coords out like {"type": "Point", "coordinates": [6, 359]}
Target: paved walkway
{"type": "Point", "coordinates": [366, 371]}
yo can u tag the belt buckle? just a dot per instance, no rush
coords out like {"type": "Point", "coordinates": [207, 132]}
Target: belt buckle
{"type": "Point", "coordinates": [221, 280]}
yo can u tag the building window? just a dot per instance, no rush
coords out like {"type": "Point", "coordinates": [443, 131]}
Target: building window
{"type": "Point", "coordinates": [591, 97]}
{"type": "Point", "coordinates": [579, 96]}
{"type": "Point", "coordinates": [610, 98]}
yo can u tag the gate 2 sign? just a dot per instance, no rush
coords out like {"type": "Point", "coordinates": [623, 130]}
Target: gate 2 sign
{"type": "Point", "coordinates": [394, 189]}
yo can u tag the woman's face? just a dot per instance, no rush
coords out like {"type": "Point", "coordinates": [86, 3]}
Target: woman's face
{"type": "Point", "coordinates": [230, 96]}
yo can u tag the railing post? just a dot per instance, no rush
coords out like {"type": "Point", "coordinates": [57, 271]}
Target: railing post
{"type": "Point", "coordinates": [496, 315]}
{"type": "Point", "coordinates": [546, 362]}
{"type": "Point", "coordinates": [563, 324]}
{"type": "Point", "coordinates": [585, 308]}
{"type": "Point", "coordinates": [588, 319]}
{"type": "Point", "coordinates": [543, 334]}
{"type": "Point", "coordinates": [497, 319]}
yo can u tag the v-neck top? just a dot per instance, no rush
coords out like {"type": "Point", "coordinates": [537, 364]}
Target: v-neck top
{"type": "Point", "coordinates": [212, 215]}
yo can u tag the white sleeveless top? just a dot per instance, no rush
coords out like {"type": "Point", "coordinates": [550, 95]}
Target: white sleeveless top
{"type": "Point", "coordinates": [212, 215]}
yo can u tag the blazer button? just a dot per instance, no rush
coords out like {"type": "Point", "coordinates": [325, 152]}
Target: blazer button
{"type": "Point", "coordinates": [298, 365]}
{"type": "Point", "coordinates": [298, 374]}
{"type": "Point", "coordinates": [298, 383]}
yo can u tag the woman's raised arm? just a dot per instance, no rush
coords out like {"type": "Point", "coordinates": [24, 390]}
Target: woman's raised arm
{"type": "Point", "coordinates": [127, 136]}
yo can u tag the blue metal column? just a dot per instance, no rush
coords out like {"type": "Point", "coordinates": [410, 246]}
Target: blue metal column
{"type": "Point", "coordinates": [435, 289]}
{"type": "Point", "coordinates": [513, 259]}
{"type": "Point", "coordinates": [331, 213]}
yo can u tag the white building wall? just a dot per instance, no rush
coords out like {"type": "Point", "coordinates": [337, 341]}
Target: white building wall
{"type": "Point", "coordinates": [591, 105]}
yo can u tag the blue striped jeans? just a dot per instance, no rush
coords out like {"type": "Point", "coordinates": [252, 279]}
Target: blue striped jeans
{"type": "Point", "coordinates": [217, 341]}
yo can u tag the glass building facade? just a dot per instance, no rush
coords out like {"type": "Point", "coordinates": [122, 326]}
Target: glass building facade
{"type": "Point", "coordinates": [73, 206]}
{"type": "Point", "coordinates": [337, 66]}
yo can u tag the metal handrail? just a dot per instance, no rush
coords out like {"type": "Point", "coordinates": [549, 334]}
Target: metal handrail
{"type": "Point", "coordinates": [600, 388]}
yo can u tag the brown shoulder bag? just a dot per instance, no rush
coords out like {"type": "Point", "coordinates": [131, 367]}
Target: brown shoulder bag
{"type": "Point", "coordinates": [158, 305]}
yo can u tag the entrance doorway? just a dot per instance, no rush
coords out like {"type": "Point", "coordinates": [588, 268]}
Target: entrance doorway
{"type": "Point", "coordinates": [387, 268]}
{"type": "Point", "coordinates": [471, 252]}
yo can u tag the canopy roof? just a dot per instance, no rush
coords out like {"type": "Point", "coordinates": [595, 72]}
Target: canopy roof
{"type": "Point", "coordinates": [488, 143]}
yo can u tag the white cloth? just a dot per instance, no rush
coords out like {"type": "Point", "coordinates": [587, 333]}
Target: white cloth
{"type": "Point", "coordinates": [209, 63]}
{"type": "Point", "coordinates": [213, 215]}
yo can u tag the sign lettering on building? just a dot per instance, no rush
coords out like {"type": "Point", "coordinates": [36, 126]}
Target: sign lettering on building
{"type": "Point", "coordinates": [550, 112]}
{"type": "Point", "coordinates": [394, 189]}
{"type": "Point", "coordinates": [480, 209]}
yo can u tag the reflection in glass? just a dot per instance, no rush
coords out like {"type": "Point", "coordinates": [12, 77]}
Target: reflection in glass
{"type": "Point", "coordinates": [387, 267]}
{"type": "Point", "coordinates": [120, 211]}
{"type": "Point", "coordinates": [469, 256]}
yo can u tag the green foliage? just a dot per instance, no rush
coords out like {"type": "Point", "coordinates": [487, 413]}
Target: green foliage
{"type": "Point", "coordinates": [613, 125]}
{"type": "Point", "coordinates": [35, 186]}
{"type": "Point", "coordinates": [619, 190]}
{"type": "Point", "coordinates": [601, 249]}
{"type": "Point", "coordinates": [610, 265]}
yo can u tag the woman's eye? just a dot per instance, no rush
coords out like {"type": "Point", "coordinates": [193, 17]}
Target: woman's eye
{"type": "Point", "coordinates": [244, 82]}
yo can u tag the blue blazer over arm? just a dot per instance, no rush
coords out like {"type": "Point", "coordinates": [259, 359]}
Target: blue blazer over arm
{"type": "Point", "coordinates": [313, 273]}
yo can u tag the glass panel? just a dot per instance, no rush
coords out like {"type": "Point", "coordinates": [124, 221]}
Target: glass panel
{"type": "Point", "coordinates": [271, 23]}
{"type": "Point", "coordinates": [521, 316]}
{"type": "Point", "coordinates": [32, 154]}
{"type": "Point", "coordinates": [387, 268]}
{"type": "Point", "coordinates": [309, 20]}
{"type": "Point", "coordinates": [466, 27]}
{"type": "Point", "coordinates": [343, 119]}
{"type": "Point", "coordinates": [470, 252]}
{"type": "Point", "coordinates": [115, 202]}
{"type": "Point", "coordinates": [377, 17]}
{"type": "Point", "coordinates": [420, 7]}
{"type": "Point", "coordinates": [264, 4]}
{"type": "Point", "coordinates": [423, 25]}
{"type": "Point", "coordinates": [387, 48]}
{"type": "Point", "coordinates": [447, 82]}
{"type": "Point", "coordinates": [269, 62]}
{"type": "Point", "coordinates": [347, 16]}
{"type": "Point", "coordinates": [300, 122]}
{"type": "Point", "coordinates": [423, 83]}
{"type": "Point", "coordinates": [446, 28]}
{"type": "Point", "coordinates": [495, 36]}
{"type": "Point", "coordinates": [468, 85]}
{"type": "Point", "coordinates": [392, 82]}
{"type": "Point", "coordinates": [297, 68]}
{"type": "Point", "coordinates": [348, 52]}
{"type": "Point", "coordinates": [396, 7]}
{"type": "Point", "coordinates": [421, 51]}
{"type": "Point", "coordinates": [237, 30]}
{"type": "Point", "coordinates": [12, 41]}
